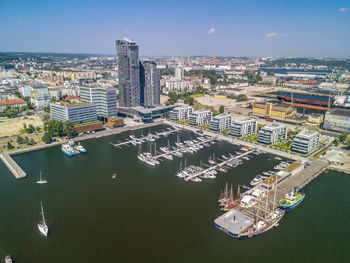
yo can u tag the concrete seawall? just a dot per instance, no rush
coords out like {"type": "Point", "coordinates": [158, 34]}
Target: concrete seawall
{"type": "Point", "coordinates": [12, 166]}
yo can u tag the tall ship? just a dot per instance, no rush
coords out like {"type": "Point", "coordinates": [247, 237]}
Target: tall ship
{"type": "Point", "coordinates": [250, 215]}
{"type": "Point", "coordinates": [42, 226]}
{"type": "Point", "coordinates": [292, 199]}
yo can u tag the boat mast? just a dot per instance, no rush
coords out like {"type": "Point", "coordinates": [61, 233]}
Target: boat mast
{"type": "Point", "coordinates": [267, 196]}
{"type": "Point", "coordinates": [42, 212]}
{"type": "Point", "coordinates": [274, 197]}
{"type": "Point", "coordinates": [40, 175]}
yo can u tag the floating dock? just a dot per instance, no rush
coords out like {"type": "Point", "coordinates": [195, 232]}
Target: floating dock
{"type": "Point", "coordinates": [15, 169]}
{"type": "Point", "coordinates": [141, 139]}
{"type": "Point", "coordinates": [218, 164]}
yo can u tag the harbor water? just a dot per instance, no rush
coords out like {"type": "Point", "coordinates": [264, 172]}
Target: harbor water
{"type": "Point", "coordinates": [147, 214]}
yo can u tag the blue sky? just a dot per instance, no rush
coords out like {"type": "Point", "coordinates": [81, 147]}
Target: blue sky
{"type": "Point", "coordinates": [161, 27]}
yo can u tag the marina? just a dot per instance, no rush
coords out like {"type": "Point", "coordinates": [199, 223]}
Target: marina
{"type": "Point", "coordinates": [82, 198]}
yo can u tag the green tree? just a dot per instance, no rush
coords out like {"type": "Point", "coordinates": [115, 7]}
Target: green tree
{"type": "Point", "coordinates": [30, 128]}
{"type": "Point", "coordinates": [242, 97]}
{"type": "Point", "coordinates": [343, 136]}
{"type": "Point", "coordinates": [10, 146]}
{"type": "Point", "coordinates": [189, 100]}
{"type": "Point", "coordinates": [47, 108]}
{"type": "Point", "coordinates": [68, 129]}
{"type": "Point", "coordinates": [336, 142]}
{"type": "Point", "coordinates": [222, 109]}
{"type": "Point", "coordinates": [25, 126]}
{"type": "Point", "coordinates": [46, 138]}
{"type": "Point", "coordinates": [26, 140]}
{"type": "Point", "coordinates": [20, 140]}
{"type": "Point", "coordinates": [32, 142]}
{"type": "Point", "coordinates": [38, 129]}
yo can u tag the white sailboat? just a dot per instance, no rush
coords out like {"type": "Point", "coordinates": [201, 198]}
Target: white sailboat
{"type": "Point", "coordinates": [43, 228]}
{"type": "Point", "coordinates": [41, 181]}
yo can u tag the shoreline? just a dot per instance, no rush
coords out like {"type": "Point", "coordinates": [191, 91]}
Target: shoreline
{"type": "Point", "coordinates": [96, 135]}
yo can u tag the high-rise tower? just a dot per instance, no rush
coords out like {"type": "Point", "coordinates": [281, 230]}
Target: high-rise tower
{"type": "Point", "coordinates": [129, 73]}
{"type": "Point", "coordinates": [149, 83]}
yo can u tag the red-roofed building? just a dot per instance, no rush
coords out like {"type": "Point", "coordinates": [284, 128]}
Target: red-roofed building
{"type": "Point", "coordinates": [12, 103]}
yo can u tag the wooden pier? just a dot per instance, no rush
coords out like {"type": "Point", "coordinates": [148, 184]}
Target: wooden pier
{"type": "Point", "coordinates": [12, 166]}
{"type": "Point", "coordinates": [216, 165]}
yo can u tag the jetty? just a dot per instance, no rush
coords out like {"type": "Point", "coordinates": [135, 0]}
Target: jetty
{"type": "Point", "coordinates": [217, 165]}
{"type": "Point", "coordinates": [143, 139]}
{"type": "Point", "coordinates": [15, 169]}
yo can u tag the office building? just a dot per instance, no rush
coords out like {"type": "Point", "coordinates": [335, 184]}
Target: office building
{"type": "Point", "coordinates": [149, 84]}
{"type": "Point", "coordinates": [244, 127]}
{"type": "Point", "coordinates": [337, 120]}
{"type": "Point", "coordinates": [220, 122]}
{"type": "Point", "coordinates": [75, 113]}
{"type": "Point", "coordinates": [273, 133]}
{"type": "Point", "coordinates": [181, 113]}
{"type": "Point", "coordinates": [200, 117]}
{"type": "Point", "coordinates": [128, 73]}
{"type": "Point", "coordinates": [306, 141]}
{"type": "Point", "coordinates": [143, 114]}
{"type": "Point", "coordinates": [105, 100]}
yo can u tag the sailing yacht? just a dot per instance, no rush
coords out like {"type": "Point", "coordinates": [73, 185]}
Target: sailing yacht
{"type": "Point", "coordinates": [43, 228]}
{"type": "Point", "coordinates": [41, 181]}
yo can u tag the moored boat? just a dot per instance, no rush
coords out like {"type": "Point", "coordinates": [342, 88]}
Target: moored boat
{"type": "Point", "coordinates": [8, 259]}
{"type": "Point", "coordinates": [292, 199]}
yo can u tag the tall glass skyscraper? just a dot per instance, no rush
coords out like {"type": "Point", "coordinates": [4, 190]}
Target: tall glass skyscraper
{"type": "Point", "coordinates": [149, 84]}
{"type": "Point", "coordinates": [129, 73]}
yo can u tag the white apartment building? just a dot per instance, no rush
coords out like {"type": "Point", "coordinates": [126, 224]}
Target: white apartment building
{"type": "Point", "coordinates": [200, 117]}
{"type": "Point", "coordinates": [180, 113]}
{"type": "Point", "coordinates": [306, 142]}
{"type": "Point", "coordinates": [273, 133]}
{"type": "Point", "coordinates": [220, 122]}
{"type": "Point", "coordinates": [244, 127]}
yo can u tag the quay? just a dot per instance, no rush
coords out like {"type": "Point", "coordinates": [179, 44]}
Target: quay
{"type": "Point", "coordinates": [216, 165]}
{"type": "Point", "coordinates": [15, 169]}
{"type": "Point", "coordinates": [243, 216]}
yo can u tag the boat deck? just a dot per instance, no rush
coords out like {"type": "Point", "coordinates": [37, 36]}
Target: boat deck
{"type": "Point", "coordinates": [233, 222]}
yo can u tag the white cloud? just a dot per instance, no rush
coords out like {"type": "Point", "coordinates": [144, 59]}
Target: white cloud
{"type": "Point", "coordinates": [284, 35]}
{"type": "Point", "coordinates": [273, 34]}
{"type": "Point", "coordinates": [211, 31]}
{"type": "Point", "coordinates": [343, 9]}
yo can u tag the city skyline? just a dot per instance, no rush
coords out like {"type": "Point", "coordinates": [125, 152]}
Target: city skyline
{"type": "Point", "coordinates": [252, 28]}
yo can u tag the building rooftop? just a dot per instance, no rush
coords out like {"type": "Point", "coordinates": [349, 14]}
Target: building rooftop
{"type": "Point", "coordinates": [340, 112]}
{"type": "Point", "coordinates": [13, 101]}
{"type": "Point", "coordinates": [222, 115]}
{"type": "Point", "coordinates": [272, 126]}
{"type": "Point", "coordinates": [307, 133]}
{"type": "Point", "coordinates": [244, 120]}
